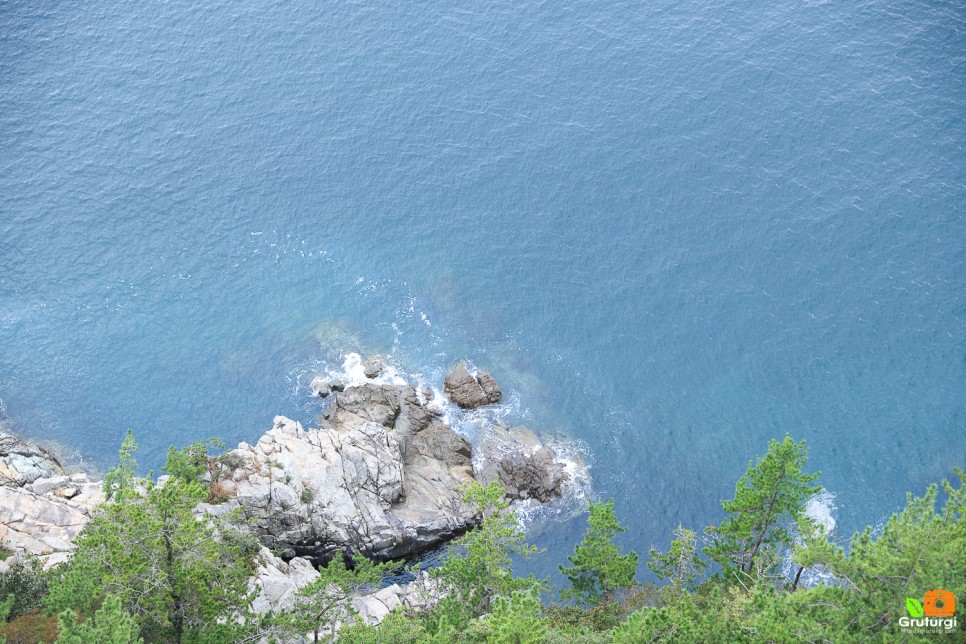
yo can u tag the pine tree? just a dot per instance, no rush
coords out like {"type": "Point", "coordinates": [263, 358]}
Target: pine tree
{"type": "Point", "coordinates": [681, 564]}
{"type": "Point", "coordinates": [477, 569]}
{"type": "Point", "coordinates": [917, 550]}
{"type": "Point", "coordinates": [769, 497]}
{"type": "Point", "coordinates": [598, 566]}
{"type": "Point", "coordinates": [516, 620]}
{"type": "Point", "coordinates": [327, 601]}
{"type": "Point", "coordinates": [111, 625]}
{"type": "Point", "coordinates": [182, 577]}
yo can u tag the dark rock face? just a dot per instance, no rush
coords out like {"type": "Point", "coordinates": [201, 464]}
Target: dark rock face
{"type": "Point", "coordinates": [468, 391]}
{"type": "Point", "coordinates": [524, 466]}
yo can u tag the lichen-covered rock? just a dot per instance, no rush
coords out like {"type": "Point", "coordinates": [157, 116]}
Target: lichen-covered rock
{"type": "Point", "coordinates": [469, 391]}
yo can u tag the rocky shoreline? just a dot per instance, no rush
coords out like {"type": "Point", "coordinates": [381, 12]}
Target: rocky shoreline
{"type": "Point", "coordinates": [381, 476]}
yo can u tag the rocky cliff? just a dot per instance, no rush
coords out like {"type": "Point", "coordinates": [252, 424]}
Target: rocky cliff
{"type": "Point", "coordinates": [381, 475]}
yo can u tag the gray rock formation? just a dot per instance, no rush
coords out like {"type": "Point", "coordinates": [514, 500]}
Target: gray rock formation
{"type": "Point", "coordinates": [22, 462]}
{"type": "Point", "coordinates": [276, 584]}
{"type": "Point", "coordinates": [320, 386]}
{"type": "Point", "coordinates": [373, 366]}
{"type": "Point", "coordinates": [382, 476]}
{"type": "Point", "coordinates": [42, 515]}
{"type": "Point", "coordinates": [469, 391]}
{"type": "Point", "coordinates": [42, 509]}
{"type": "Point", "coordinates": [526, 467]}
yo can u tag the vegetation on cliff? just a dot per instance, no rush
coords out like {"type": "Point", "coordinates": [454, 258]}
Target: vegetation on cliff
{"type": "Point", "coordinates": [149, 568]}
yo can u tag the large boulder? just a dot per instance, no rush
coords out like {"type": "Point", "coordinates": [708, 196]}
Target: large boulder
{"type": "Point", "coordinates": [381, 476]}
{"type": "Point", "coordinates": [526, 467]}
{"type": "Point", "coordinates": [471, 391]}
{"type": "Point", "coordinates": [277, 582]}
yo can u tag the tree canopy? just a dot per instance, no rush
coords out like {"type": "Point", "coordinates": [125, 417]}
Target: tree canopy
{"type": "Point", "coordinates": [598, 567]}
{"type": "Point", "coordinates": [182, 576]}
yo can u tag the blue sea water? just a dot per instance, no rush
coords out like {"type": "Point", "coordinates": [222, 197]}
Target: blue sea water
{"type": "Point", "coordinates": [672, 230]}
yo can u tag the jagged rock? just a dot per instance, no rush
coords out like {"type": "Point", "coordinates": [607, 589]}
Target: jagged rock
{"type": "Point", "coordinates": [523, 464]}
{"type": "Point", "coordinates": [469, 391]}
{"type": "Point", "coordinates": [45, 524]}
{"type": "Point", "coordinates": [67, 492]}
{"type": "Point", "coordinates": [276, 584]}
{"type": "Point", "coordinates": [373, 366]}
{"type": "Point", "coordinates": [381, 477]}
{"type": "Point", "coordinates": [44, 485]}
{"type": "Point", "coordinates": [22, 462]}
{"type": "Point", "coordinates": [320, 386]}
{"type": "Point", "coordinates": [420, 594]}
{"type": "Point", "coordinates": [41, 509]}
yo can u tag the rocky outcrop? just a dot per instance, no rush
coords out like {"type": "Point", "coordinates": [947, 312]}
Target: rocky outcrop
{"type": "Point", "coordinates": [526, 467]}
{"type": "Point", "coordinates": [276, 583]}
{"type": "Point", "coordinates": [382, 476]}
{"type": "Point", "coordinates": [22, 462]}
{"type": "Point", "coordinates": [42, 510]}
{"type": "Point", "coordinates": [471, 391]}
{"type": "Point", "coordinates": [420, 594]}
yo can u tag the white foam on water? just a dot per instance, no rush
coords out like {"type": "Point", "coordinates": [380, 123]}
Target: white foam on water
{"type": "Point", "coordinates": [820, 508]}
{"type": "Point", "coordinates": [574, 456]}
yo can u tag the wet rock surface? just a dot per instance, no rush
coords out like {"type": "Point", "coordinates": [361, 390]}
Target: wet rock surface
{"type": "Point", "coordinates": [471, 391]}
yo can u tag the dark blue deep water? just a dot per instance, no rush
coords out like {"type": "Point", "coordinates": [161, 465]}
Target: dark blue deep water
{"type": "Point", "coordinates": [672, 230]}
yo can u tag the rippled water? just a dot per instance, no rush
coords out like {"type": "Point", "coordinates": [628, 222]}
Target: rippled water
{"type": "Point", "coordinates": [671, 230]}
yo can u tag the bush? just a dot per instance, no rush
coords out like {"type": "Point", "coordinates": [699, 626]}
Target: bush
{"type": "Point", "coordinates": [31, 628]}
{"type": "Point", "coordinates": [27, 582]}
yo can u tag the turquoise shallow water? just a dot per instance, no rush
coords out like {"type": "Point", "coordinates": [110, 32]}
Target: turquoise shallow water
{"type": "Point", "coordinates": [671, 230]}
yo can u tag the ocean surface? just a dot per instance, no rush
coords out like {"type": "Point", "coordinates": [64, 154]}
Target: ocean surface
{"type": "Point", "coordinates": [671, 230]}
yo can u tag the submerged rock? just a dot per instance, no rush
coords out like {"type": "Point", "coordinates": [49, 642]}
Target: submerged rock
{"type": "Point", "coordinates": [469, 391]}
